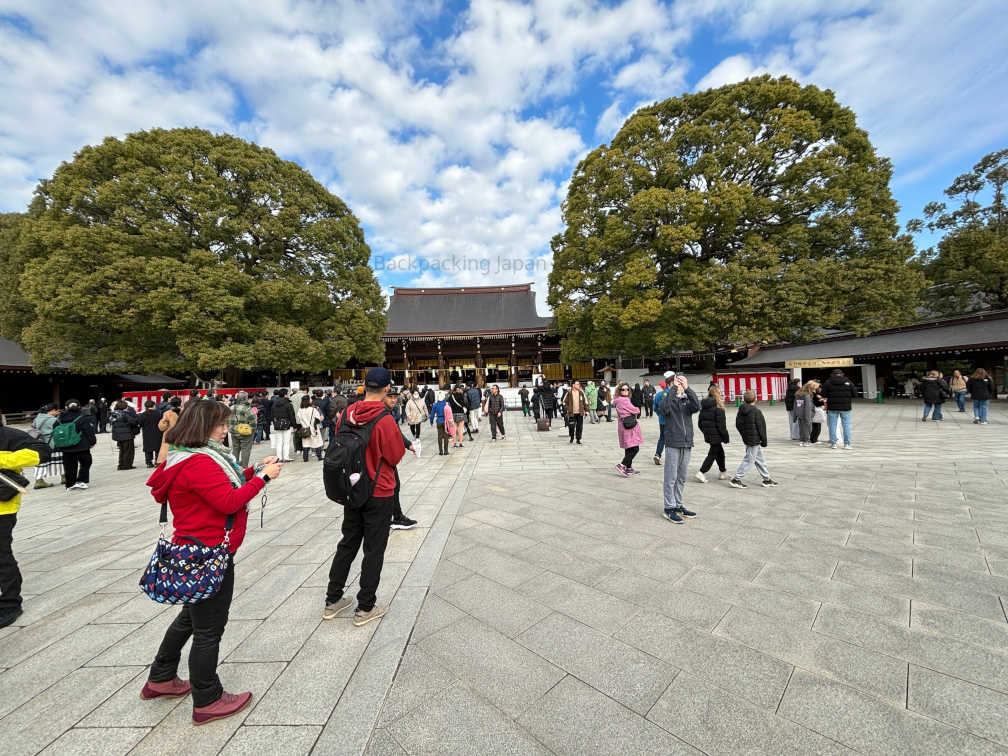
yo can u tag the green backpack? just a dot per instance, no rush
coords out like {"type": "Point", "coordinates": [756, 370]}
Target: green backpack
{"type": "Point", "coordinates": [65, 435]}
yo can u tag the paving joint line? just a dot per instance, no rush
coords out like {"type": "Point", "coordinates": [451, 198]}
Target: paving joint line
{"type": "Point", "coordinates": [456, 493]}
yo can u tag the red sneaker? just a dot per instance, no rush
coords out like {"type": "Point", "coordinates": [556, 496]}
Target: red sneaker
{"type": "Point", "coordinates": [171, 689]}
{"type": "Point", "coordinates": [225, 706]}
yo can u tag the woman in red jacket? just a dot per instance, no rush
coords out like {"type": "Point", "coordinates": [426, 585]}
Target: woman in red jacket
{"type": "Point", "coordinates": [203, 485]}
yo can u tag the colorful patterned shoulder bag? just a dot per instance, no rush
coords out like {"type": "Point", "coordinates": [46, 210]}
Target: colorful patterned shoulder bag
{"type": "Point", "coordinates": [185, 573]}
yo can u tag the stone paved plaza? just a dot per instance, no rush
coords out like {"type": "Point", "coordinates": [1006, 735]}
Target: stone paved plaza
{"type": "Point", "coordinates": [547, 608]}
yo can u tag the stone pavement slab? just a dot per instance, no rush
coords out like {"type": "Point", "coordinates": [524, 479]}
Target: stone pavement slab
{"type": "Point", "coordinates": [543, 606]}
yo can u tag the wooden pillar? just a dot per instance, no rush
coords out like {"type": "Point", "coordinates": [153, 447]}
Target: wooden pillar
{"type": "Point", "coordinates": [513, 366]}
{"type": "Point", "coordinates": [442, 372]}
{"type": "Point", "coordinates": [480, 373]}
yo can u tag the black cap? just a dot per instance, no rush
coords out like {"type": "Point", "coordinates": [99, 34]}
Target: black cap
{"type": "Point", "coordinates": [377, 377]}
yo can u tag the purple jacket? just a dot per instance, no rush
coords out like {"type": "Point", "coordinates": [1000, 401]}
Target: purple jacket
{"type": "Point", "coordinates": [627, 438]}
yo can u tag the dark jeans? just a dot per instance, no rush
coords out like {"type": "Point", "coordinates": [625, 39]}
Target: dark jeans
{"type": "Point", "coordinates": [150, 455]}
{"type": "Point", "coordinates": [525, 408]}
{"type": "Point", "coordinates": [648, 409]}
{"type": "Point", "coordinates": [10, 575]}
{"type": "Point", "coordinates": [305, 451]}
{"type": "Point", "coordinates": [71, 461]}
{"type": "Point", "coordinates": [205, 622]}
{"type": "Point", "coordinates": [629, 454]}
{"type": "Point", "coordinates": [816, 429]}
{"type": "Point", "coordinates": [415, 429]}
{"type": "Point", "coordinates": [370, 525]}
{"type": "Point", "coordinates": [496, 421]}
{"type": "Point", "coordinates": [714, 454]}
{"type": "Point", "coordinates": [575, 425]}
{"type": "Point", "coordinates": [442, 438]}
{"type": "Point", "coordinates": [127, 451]}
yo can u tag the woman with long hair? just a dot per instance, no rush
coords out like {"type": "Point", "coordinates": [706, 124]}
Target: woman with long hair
{"type": "Point", "coordinates": [460, 413]}
{"type": "Point", "coordinates": [714, 426]}
{"type": "Point", "coordinates": [981, 388]}
{"type": "Point", "coordinates": [804, 411]}
{"type": "Point", "coordinates": [203, 485]}
{"type": "Point", "coordinates": [309, 417]}
{"type": "Point", "coordinates": [629, 438]}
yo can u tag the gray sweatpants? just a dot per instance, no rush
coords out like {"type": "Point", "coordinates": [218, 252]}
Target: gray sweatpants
{"type": "Point", "coordinates": [676, 468]}
{"type": "Point", "coordinates": [753, 456]}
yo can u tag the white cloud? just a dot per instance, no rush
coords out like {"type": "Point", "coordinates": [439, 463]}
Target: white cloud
{"type": "Point", "coordinates": [919, 77]}
{"type": "Point", "coordinates": [464, 145]}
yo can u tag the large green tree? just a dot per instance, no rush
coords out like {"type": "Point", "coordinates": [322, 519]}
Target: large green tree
{"type": "Point", "coordinates": [969, 266]}
{"type": "Point", "coordinates": [180, 249]}
{"type": "Point", "coordinates": [758, 211]}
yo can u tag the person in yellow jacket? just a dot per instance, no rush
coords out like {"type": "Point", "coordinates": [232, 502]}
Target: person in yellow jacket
{"type": "Point", "coordinates": [18, 450]}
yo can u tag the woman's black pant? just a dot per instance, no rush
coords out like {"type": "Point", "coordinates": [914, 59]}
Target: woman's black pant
{"type": "Point", "coordinates": [814, 436]}
{"type": "Point", "coordinates": [415, 429]}
{"type": "Point", "coordinates": [305, 450]}
{"type": "Point", "coordinates": [127, 452]}
{"type": "Point", "coordinates": [648, 408]}
{"type": "Point", "coordinates": [714, 454]}
{"type": "Point", "coordinates": [77, 466]}
{"type": "Point", "coordinates": [629, 454]}
{"type": "Point", "coordinates": [205, 622]}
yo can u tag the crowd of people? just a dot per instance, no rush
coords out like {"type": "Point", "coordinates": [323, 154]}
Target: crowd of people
{"type": "Point", "coordinates": [199, 448]}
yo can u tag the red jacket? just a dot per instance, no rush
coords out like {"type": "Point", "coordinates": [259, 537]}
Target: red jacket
{"type": "Point", "coordinates": [386, 443]}
{"type": "Point", "coordinates": [201, 497]}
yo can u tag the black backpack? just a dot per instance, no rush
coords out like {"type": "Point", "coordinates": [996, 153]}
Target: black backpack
{"type": "Point", "coordinates": [346, 457]}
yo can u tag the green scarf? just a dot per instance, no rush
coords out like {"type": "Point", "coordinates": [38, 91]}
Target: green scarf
{"type": "Point", "coordinates": [222, 456]}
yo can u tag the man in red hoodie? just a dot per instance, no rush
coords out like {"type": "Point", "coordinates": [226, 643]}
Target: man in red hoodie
{"type": "Point", "coordinates": [369, 524]}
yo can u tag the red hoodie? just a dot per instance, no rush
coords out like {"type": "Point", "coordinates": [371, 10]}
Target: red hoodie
{"type": "Point", "coordinates": [201, 497]}
{"type": "Point", "coordinates": [386, 443]}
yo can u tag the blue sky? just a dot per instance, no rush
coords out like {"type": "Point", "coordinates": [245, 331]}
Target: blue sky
{"type": "Point", "coordinates": [451, 128]}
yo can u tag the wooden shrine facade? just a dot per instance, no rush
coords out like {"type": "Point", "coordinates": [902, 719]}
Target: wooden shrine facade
{"type": "Point", "coordinates": [486, 334]}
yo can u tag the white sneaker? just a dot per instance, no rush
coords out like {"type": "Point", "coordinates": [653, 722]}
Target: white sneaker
{"type": "Point", "coordinates": [700, 476]}
{"type": "Point", "coordinates": [802, 444]}
{"type": "Point", "coordinates": [80, 486]}
{"type": "Point", "coordinates": [834, 446]}
{"type": "Point", "coordinates": [846, 446]}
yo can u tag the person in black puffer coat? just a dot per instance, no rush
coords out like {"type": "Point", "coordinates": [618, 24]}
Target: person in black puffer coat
{"type": "Point", "coordinates": [125, 427]}
{"type": "Point", "coordinates": [712, 423]}
{"type": "Point", "coordinates": [981, 389]}
{"type": "Point", "coordinates": [839, 392]}
{"type": "Point", "coordinates": [934, 392]}
{"type": "Point", "coordinates": [752, 428]}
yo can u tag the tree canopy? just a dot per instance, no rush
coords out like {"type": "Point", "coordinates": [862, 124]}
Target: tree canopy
{"type": "Point", "coordinates": [969, 267]}
{"type": "Point", "coordinates": [758, 211]}
{"type": "Point", "coordinates": [173, 250]}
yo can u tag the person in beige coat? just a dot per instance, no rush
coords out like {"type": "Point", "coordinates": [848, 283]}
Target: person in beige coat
{"type": "Point", "coordinates": [166, 423]}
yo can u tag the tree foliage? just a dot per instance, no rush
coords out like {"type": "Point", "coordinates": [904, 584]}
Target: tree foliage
{"type": "Point", "coordinates": [758, 211]}
{"type": "Point", "coordinates": [179, 249]}
{"type": "Point", "coordinates": [969, 267]}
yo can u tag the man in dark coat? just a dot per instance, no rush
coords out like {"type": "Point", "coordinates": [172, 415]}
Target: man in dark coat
{"type": "Point", "coordinates": [839, 392]}
{"type": "Point", "coordinates": [677, 408]}
{"type": "Point", "coordinates": [102, 409]}
{"type": "Point", "coordinates": [152, 435]}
